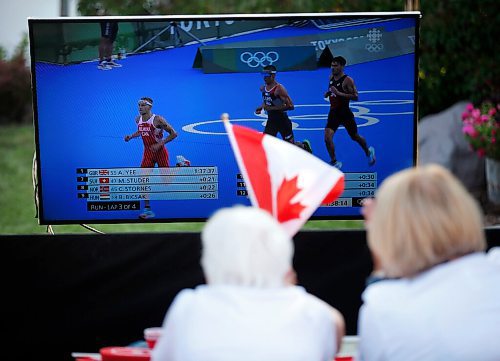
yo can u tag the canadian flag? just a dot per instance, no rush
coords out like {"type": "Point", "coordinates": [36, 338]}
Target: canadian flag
{"type": "Point", "coordinates": [282, 178]}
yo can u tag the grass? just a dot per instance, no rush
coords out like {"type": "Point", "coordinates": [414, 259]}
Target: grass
{"type": "Point", "coordinates": [17, 207]}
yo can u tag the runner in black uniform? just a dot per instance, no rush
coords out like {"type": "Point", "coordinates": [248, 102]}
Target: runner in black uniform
{"type": "Point", "coordinates": [276, 102]}
{"type": "Point", "coordinates": [341, 90]}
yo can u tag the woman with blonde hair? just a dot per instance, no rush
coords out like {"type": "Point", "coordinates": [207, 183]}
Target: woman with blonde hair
{"type": "Point", "coordinates": [439, 294]}
{"type": "Point", "coordinates": [250, 309]}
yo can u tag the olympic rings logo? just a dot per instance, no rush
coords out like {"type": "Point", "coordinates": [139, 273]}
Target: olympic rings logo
{"type": "Point", "coordinates": [374, 48]}
{"type": "Point", "coordinates": [259, 58]}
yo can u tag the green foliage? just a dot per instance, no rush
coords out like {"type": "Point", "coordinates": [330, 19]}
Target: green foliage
{"type": "Point", "coordinates": [169, 7]}
{"type": "Point", "coordinates": [16, 190]}
{"type": "Point", "coordinates": [15, 86]}
{"type": "Point", "coordinates": [458, 59]}
{"type": "Point", "coordinates": [3, 53]}
{"type": "Point", "coordinates": [21, 50]}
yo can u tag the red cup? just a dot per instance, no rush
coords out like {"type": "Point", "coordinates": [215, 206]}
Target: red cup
{"type": "Point", "coordinates": [125, 354]}
{"type": "Point", "coordinates": [151, 335]}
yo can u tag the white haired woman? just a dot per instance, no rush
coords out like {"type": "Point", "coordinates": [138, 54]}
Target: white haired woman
{"type": "Point", "coordinates": [249, 310]}
{"type": "Point", "coordinates": [440, 294]}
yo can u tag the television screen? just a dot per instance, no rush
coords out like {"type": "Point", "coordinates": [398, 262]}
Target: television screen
{"type": "Point", "coordinates": [109, 91]}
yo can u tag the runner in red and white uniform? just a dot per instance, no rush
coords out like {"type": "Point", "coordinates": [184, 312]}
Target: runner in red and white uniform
{"type": "Point", "coordinates": [151, 127]}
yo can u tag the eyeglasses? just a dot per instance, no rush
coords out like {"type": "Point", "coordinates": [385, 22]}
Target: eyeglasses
{"type": "Point", "coordinates": [267, 74]}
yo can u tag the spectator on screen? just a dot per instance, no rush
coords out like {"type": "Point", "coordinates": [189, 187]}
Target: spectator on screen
{"type": "Point", "coordinates": [109, 32]}
{"type": "Point", "coordinates": [250, 309]}
{"type": "Point", "coordinates": [440, 299]}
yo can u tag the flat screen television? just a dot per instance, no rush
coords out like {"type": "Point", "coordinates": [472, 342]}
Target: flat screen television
{"type": "Point", "coordinates": [193, 69]}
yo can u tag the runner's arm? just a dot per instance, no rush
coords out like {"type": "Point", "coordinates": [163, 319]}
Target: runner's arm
{"type": "Point", "coordinates": [135, 134]}
{"type": "Point", "coordinates": [283, 94]}
{"type": "Point", "coordinates": [258, 110]}
{"type": "Point", "coordinates": [287, 103]}
{"type": "Point", "coordinates": [350, 93]}
{"type": "Point", "coordinates": [131, 136]}
{"type": "Point", "coordinates": [329, 91]}
{"type": "Point", "coordinates": [161, 123]}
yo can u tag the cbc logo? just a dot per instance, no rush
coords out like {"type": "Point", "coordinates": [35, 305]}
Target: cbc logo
{"type": "Point", "coordinates": [259, 58]}
{"type": "Point", "coordinates": [374, 36]}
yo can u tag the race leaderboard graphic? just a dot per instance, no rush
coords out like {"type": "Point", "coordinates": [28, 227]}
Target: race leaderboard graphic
{"type": "Point", "coordinates": [122, 189]}
{"type": "Point", "coordinates": [357, 186]}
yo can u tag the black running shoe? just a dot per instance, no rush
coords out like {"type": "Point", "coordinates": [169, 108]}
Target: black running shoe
{"type": "Point", "coordinates": [307, 146]}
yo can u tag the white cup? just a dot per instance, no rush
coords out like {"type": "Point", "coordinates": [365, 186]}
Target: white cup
{"type": "Point", "coordinates": [151, 335]}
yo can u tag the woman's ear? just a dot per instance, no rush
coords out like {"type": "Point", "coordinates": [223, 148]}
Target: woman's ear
{"type": "Point", "coordinates": [290, 277]}
{"type": "Point", "coordinates": [367, 210]}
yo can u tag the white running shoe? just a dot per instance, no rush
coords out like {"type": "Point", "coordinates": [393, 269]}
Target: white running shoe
{"type": "Point", "coordinates": [103, 65]}
{"type": "Point", "coordinates": [371, 156]}
{"type": "Point", "coordinates": [336, 164]}
{"type": "Point", "coordinates": [147, 213]}
{"type": "Point", "coordinates": [113, 64]}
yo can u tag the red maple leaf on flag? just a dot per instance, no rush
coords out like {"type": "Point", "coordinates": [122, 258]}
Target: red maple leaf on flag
{"type": "Point", "coordinates": [259, 159]}
{"type": "Point", "coordinates": [286, 191]}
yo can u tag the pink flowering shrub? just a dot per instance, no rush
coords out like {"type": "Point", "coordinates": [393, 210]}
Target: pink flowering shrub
{"type": "Point", "coordinates": [481, 127]}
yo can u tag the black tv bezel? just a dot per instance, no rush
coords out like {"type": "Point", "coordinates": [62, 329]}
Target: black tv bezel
{"type": "Point", "coordinates": [214, 17]}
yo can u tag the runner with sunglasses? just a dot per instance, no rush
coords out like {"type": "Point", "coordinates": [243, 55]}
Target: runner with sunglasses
{"type": "Point", "coordinates": [276, 102]}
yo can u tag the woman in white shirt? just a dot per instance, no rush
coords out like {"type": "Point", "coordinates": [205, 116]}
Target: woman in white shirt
{"type": "Point", "coordinates": [439, 297]}
{"type": "Point", "coordinates": [249, 310]}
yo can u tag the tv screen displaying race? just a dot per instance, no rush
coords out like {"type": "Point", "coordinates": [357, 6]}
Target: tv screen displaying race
{"type": "Point", "coordinates": [128, 109]}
